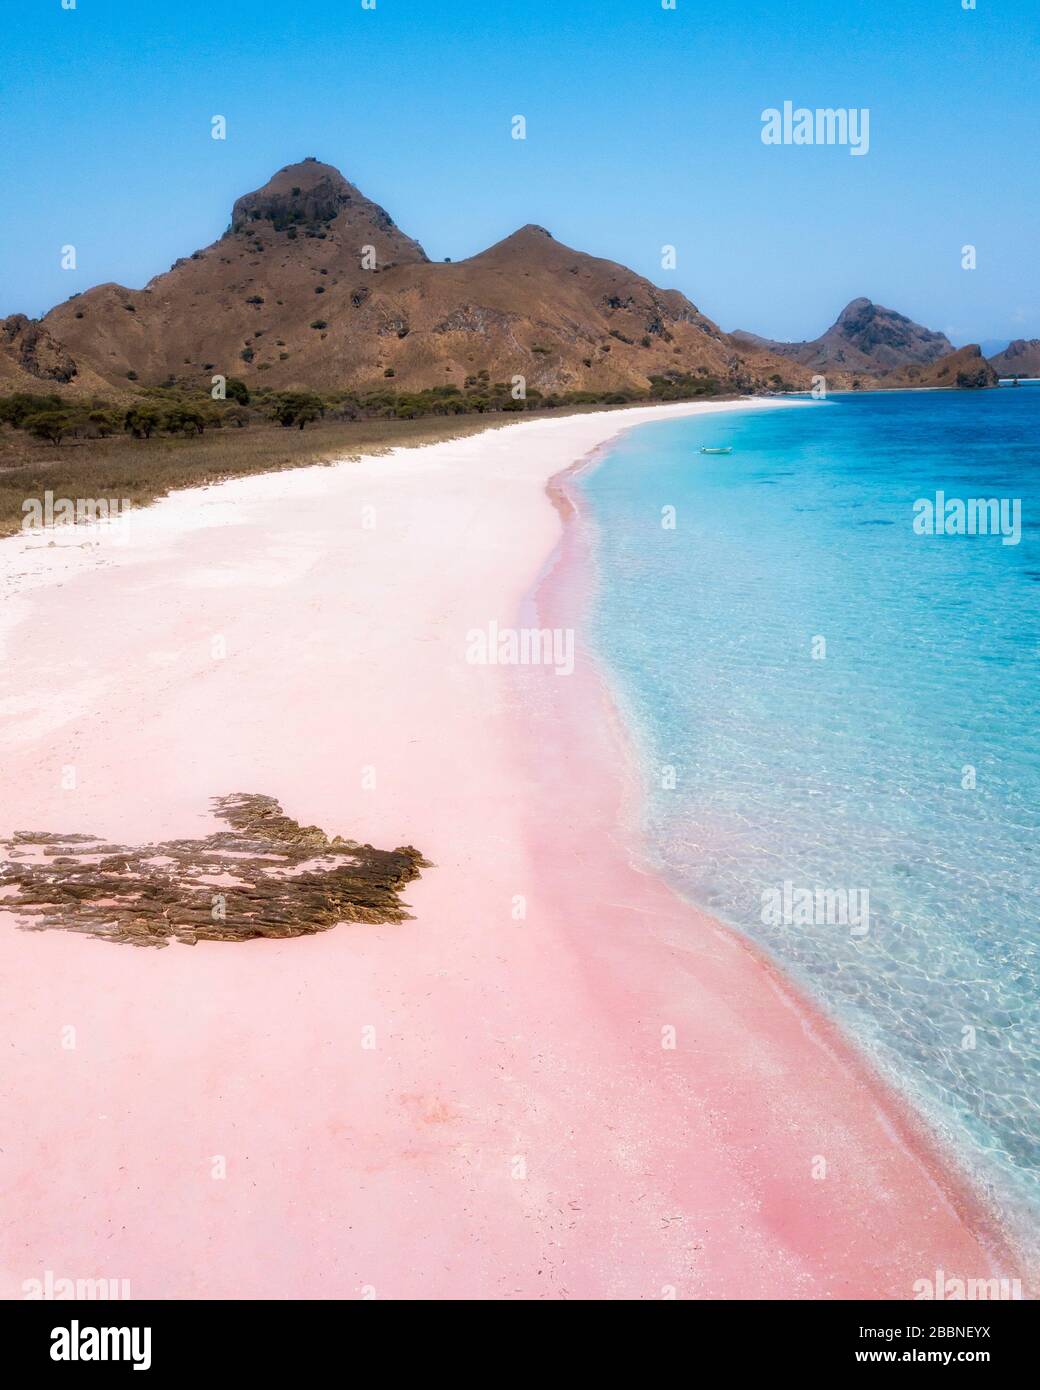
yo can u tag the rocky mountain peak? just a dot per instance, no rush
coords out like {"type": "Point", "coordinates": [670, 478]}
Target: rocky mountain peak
{"type": "Point", "coordinates": [313, 197]}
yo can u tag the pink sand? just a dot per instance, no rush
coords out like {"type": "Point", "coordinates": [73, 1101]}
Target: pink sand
{"type": "Point", "coordinates": [517, 1131]}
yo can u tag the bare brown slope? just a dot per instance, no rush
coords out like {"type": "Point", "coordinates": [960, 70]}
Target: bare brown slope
{"type": "Point", "coordinates": [1020, 358]}
{"type": "Point", "coordinates": [284, 298]}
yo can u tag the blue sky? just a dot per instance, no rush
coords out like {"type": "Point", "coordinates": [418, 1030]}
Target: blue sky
{"type": "Point", "coordinates": [644, 128]}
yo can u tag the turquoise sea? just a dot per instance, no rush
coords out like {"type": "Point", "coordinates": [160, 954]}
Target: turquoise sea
{"type": "Point", "coordinates": [899, 759]}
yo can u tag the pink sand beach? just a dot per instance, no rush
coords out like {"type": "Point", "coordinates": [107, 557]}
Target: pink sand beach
{"type": "Point", "coordinates": [482, 1102]}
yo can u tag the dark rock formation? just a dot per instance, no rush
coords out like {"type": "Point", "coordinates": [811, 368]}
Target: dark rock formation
{"type": "Point", "coordinates": [34, 350]}
{"type": "Point", "coordinates": [267, 876]}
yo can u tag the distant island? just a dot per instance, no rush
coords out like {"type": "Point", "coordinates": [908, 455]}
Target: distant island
{"type": "Point", "coordinates": [1020, 358]}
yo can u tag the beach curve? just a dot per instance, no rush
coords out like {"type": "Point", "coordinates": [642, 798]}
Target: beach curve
{"type": "Point", "coordinates": [473, 1104]}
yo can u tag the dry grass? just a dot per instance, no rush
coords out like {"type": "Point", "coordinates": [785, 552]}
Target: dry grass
{"type": "Point", "coordinates": [142, 470]}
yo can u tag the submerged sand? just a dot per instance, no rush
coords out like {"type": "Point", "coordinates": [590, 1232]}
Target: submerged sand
{"type": "Point", "coordinates": [484, 1101]}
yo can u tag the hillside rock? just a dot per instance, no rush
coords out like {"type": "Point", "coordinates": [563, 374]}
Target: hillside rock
{"type": "Point", "coordinates": [34, 352]}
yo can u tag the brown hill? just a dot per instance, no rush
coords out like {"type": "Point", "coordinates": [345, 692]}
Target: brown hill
{"type": "Point", "coordinates": [314, 285]}
{"type": "Point", "coordinates": [964, 368]}
{"type": "Point", "coordinates": [865, 338]}
{"type": "Point", "coordinates": [1020, 358]}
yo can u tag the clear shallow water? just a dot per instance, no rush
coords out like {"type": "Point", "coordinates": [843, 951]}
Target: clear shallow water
{"type": "Point", "coordinates": [848, 772]}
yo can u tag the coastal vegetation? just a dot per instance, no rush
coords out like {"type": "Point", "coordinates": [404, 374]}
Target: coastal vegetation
{"type": "Point", "coordinates": [176, 409]}
{"type": "Point", "coordinates": [174, 436]}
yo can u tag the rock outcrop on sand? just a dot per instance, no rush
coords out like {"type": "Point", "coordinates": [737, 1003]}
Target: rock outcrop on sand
{"type": "Point", "coordinates": [267, 876]}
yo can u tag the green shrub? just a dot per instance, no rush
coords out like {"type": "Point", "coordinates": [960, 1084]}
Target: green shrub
{"type": "Point", "coordinates": [15, 410]}
{"type": "Point", "coordinates": [681, 386]}
{"type": "Point", "coordinates": [51, 425]}
{"type": "Point", "coordinates": [103, 422]}
{"type": "Point", "coordinates": [142, 421]}
{"type": "Point", "coordinates": [236, 390]}
{"type": "Point", "coordinates": [296, 408]}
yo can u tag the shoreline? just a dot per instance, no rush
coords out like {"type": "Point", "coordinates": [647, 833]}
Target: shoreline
{"type": "Point", "coordinates": [517, 1130]}
{"type": "Point", "coordinates": [569, 585]}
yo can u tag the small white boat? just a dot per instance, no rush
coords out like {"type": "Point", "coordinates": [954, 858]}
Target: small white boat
{"type": "Point", "coordinates": [706, 450]}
